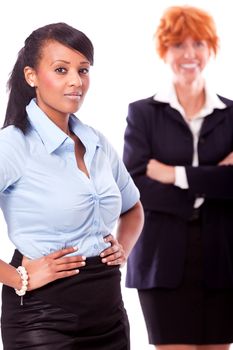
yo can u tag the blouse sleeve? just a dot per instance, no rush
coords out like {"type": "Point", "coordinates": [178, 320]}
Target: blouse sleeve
{"type": "Point", "coordinates": [12, 156]}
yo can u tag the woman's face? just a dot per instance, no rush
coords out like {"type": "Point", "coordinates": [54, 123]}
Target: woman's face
{"type": "Point", "coordinates": [61, 79]}
{"type": "Point", "coordinates": [187, 59]}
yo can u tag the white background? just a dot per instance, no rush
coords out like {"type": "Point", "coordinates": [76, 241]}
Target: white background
{"type": "Point", "coordinates": [126, 68]}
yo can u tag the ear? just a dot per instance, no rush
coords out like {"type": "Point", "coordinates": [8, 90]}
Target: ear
{"type": "Point", "coordinates": [30, 76]}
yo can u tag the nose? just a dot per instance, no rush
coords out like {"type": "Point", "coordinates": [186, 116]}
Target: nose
{"type": "Point", "coordinates": [189, 51]}
{"type": "Point", "coordinates": [75, 79]}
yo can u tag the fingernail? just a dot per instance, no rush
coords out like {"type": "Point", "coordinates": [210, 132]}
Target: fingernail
{"type": "Point", "coordinates": [77, 271]}
{"type": "Point", "coordinates": [104, 260]}
{"type": "Point", "coordinates": [84, 257]}
{"type": "Point", "coordinates": [83, 263]}
{"type": "Point", "coordinates": [75, 248]}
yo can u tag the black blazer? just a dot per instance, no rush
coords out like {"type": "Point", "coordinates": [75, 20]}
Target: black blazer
{"type": "Point", "coordinates": [156, 130]}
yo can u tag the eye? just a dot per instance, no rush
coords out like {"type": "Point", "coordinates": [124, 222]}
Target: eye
{"type": "Point", "coordinates": [177, 45]}
{"type": "Point", "coordinates": [199, 43]}
{"type": "Point", "coordinates": [61, 70]}
{"type": "Point", "coordinates": [84, 71]}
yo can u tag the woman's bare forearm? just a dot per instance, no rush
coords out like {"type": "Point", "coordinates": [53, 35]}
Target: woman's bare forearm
{"type": "Point", "coordinates": [129, 227]}
{"type": "Point", "coordinates": [9, 276]}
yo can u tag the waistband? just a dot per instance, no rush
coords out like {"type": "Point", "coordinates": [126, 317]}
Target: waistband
{"type": "Point", "coordinates": [90, 261]}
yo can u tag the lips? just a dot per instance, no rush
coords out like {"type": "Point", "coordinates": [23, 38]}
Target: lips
{"type": "Point", "coordinates": [74, 94]}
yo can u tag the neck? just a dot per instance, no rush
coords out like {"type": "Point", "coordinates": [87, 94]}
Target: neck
{"type": "Point", "coordinates": [191, 97]}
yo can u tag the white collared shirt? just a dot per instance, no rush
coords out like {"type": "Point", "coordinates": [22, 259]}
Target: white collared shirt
{"type": "Point", "coordinates": [168, 95]}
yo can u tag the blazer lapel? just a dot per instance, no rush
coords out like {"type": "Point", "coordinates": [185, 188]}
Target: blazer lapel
{"type": "Point", "coordinates": [212, 121]}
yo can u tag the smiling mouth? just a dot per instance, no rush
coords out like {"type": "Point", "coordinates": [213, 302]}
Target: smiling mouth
{"type": "Point", "coordinates": [189, 65]}
{"type": "Point", "coordinates": [74, 95]}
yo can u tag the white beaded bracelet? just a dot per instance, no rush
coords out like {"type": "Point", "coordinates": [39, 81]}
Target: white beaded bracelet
{"type": "Point", "coordinates": [24, 277]}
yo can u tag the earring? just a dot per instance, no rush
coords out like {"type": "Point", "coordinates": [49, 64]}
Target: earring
{"type": "Point", "coordinates": [32, 84]}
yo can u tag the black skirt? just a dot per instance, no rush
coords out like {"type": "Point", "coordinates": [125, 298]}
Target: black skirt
{"type": "Point", "coordinates": [191, 313]}
{"type": "Point", "coordinates": [84, 312]}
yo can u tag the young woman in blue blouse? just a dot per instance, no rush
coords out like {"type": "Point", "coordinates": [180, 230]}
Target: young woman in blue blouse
{"type": "Point", "coordinates": [63, 189]}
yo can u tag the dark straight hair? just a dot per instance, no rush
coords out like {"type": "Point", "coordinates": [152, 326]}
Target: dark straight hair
{"type": "Point", "coordinates": [20, 92]}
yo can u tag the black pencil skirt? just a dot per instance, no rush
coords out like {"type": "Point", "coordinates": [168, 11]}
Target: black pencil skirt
{"type": "Point", "coordinates": [191, 313]}
{"type": "Point", "coordinates": [82, 312]}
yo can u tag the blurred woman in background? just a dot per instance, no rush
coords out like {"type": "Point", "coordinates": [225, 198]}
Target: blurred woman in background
{"type": "Point", "coordinates": [178, 146]}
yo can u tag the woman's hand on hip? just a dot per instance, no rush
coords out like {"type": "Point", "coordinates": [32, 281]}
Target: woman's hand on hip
{"type": "Point", "coordinates": [51, 267]}
{"type": "Point", "coordinates": [114, 255]}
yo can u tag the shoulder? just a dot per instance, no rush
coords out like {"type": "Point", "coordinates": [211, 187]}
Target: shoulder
{"type": "Point", "coordinates": [107, 148]}
{"type": "Point", "coordinates": [147, 111]}
{"type": "Point", "coordinates": [147, 106]}
{"type": "Point", "coordinates": [11, 130]}
{"type": "Point", "coordinates": [145, 102]}
{"type": "Point", "coordinates": [228, 102]}
{"type": "Point", "coordinates": [92, 136]}
{"type": "Point", "coordinates": [12, 135]}
{"type": "Point", "coordinates": [227, 111]}
{"type": "Point", "coordinates": [100, 137]}
{"type": "Point", "coordinates": [13, 142]}
{"type": "Point", "coordinates": [101, 140]}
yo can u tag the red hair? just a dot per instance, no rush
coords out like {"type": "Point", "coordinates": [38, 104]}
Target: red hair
{"type": "Point", "coordinates": [179, 22]}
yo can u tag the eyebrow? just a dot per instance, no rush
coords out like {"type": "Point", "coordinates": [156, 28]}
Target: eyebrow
{"type": "Point", "coordinates": [67, 62]}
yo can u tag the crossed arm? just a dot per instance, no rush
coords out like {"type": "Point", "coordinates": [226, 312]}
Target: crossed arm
{"type": "Point", "coordinates": [213, 181]}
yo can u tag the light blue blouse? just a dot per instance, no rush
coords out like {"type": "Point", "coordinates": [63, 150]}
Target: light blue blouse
{"type": "Point", "coordinates": [47, 202]}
